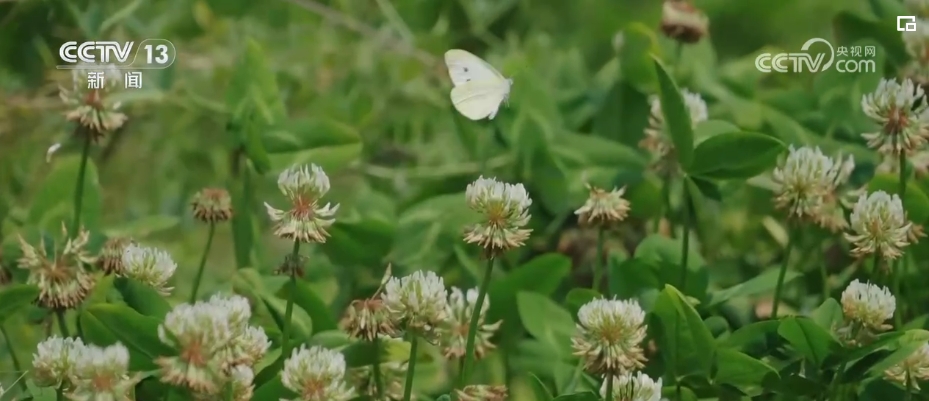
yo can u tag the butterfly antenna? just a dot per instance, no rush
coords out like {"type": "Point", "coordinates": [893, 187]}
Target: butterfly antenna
{"type": "Point", "coordinates": [18, 379]}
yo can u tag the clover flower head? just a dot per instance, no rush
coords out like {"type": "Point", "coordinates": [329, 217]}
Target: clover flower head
{"type": "Point", "coordinates": [111, 256]}
{"type": "Point", "coordinates": [453, 333]}
{"type": "Point", "coordinates": [417, 301]}
{"type": "Point", "coordinates": [368, 319]}
{"type": "Point", "coordinates": [603, 207]}
{"type": "Point", "coordinates": [150, 266]}
{"type": "Point", "coordinates": [683, 22]}
{"type": "Point", "coordinates": [242, 381]}
{"type": "Point", "coordinates": [806, 179]}
{"type": "Point", "coordinates": [629, 387]}
{"type": "Point", "coordinates": [879, 224]}
{"type": "Point", "coordinates": [212, 205]}
{"type": "Point", "coordinates": [62, 280]}
{"type": "Point", "coordinates": [306, 220]}
{"type": "Point", "coordinates": [102, 373]}
{"type": "Point", "coordinates": [913, 369]}
{"type": "Point", "coordinates": [90, 101]}
{"type": "Point", "coordinates": [505, 210]}
{"type": "Point", "coordinates": [316, 374]}
{"type": "Point", "coordinates": [902, 117]}
{"type": "Point", "coordinates": [609, 336]}
{"type": "Point", "coordinates": [54, 360]}
{"type": "Point", "coordinates": [658, 143]}
{"type": "Point", "coordinates": [866, 307]}
{"type": "Point", "coordinates": [918, 7]}
{"type": "Point", "coordinates": [200, 333]}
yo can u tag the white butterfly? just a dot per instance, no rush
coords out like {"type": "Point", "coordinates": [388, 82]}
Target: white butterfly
{"type": "Point", "coordinates": [479, 87]}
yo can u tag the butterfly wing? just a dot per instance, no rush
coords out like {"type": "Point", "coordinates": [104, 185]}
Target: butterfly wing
{"type": "Point", "coordinates": [465, 67]}
{"type": "Point", "coordinates": [480, 99]}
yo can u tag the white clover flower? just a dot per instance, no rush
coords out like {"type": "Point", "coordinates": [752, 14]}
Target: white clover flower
{"type": "Point", "coordinates": [150, 266]}
{"type": "Point", "coordinates": [603, 207]}
{"type": "Point", "coordinates": [243, 387]}
{"type": "Point", "coordinates": [917, 42]}
{"type": "Point", "coordinates": [913, 369]}
{"type": "Point", "coordinates": [903, 128]}
{"type": "Point", "coordinates": [368, 319]}
{"type": "Point", "coordinates": [54, 360]}
{"type": "Point", "coordinates": [879, 224]}
{"type": "Point", "coordinates": [505, 209]}
{"type": "Point", "coordinates": [629, 387]}
{"type": "Point", "coordinates": [658, 143]}
{"type": "Point", "coordinates": [102, 374]}
{"type": "Point", "coordinates": [482, 392]}
{"type": "Point", "coordinates": [609, 335]}
{"type": "Point", "coordinates": [867, 306]}
{"type": "Point", "coordinates": [200, 333]}
{"type": "Point", "coordinates": [416, 301]}
{"type": "Point", "coordinates": [806, 179]}
{"type": "Point", "coordinates": [306, 221]}
{"type": "Point", "coordinates": [61, 277]}
{"type": "Point", "coordinates": [453, 333]}
{"type": "Point", "coordinates": [316, 374]}
{"type": "Point", "coordinates": [249, 346]}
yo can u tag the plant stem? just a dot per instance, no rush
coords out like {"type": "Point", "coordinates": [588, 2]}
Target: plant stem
{"type": "Point", "coordinates": [376, 369]}
{"type": "Point", "coordinates": [79, 190]}
{"type": "Point", "coordinates": [609, 388]}
{"type": "Point", "coordinates": [685, 241]}
{"type": "Point", "coordinates": [909, 387]}
{"type": "Point", "coordinates": [779, 288]}
{"type": "Point", "coordinates": [411, 367]}
{"type": "Point", "coordinates": [666, 206]}
{"type": "Point", "coordinates": [835, 380]}
{"type": "Point", "coordinates": [60, 393]}
{"type": "Point", "coordinates": [16, 365]}
{"type": "Point", "coordinates": [899, 264]}
{"type": "Point", "coordinates": [289, 309]}
{"type": "Point", "coordinates": [62, 323]}
{"type": "Point", "coordinates": [206, 252]}
{"type": "Point", "coordinates": [472, 326]}
{"type": "Point", "coordinates": [599, 261]}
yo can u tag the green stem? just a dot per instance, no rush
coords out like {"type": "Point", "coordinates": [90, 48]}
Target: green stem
{"type": "Point", "coordinates": [289, 309]}
{"type": "Point", "coordinates": [599, 262]}
{"type": "Point", "coordinates": [62, 323]}
{"type": "Point", "coordinates": [79, 190]}
{"type": "Point", "coordinates": [376, 369]}
{"type": "Point", "coordinates": [411, 367]}
{"type": "Point", "coordinates": [60, 393]}
{"type": "Point", "coordinates": [779, 288]}
{"type": "Point", "coordinates": [835, 381]}
{"type": "Point", "coordinates": [909, 387]}
{"type": "Point", "coordinates": [685, 242]}
{"type": "Point", "coordinates": [16, 365]}
{"type": "Point", "coordinates": [609, 388]}
{"type": "Point", "coordinates": [900, 264]}
{"type": "Point", "coordinates": [472, 327]}
{"type": "Point", "coordinates": [666, 206]}
{"type": "Point", "coordinates": [206, 252]}
{"type": "Point", "coordinates": [575, 377]}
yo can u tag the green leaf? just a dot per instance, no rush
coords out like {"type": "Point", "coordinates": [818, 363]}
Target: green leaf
{"type": "Point", "coordinates": [828, 314]}
{"type": "Point", "coordinates": [273, 390]}
{"type": "Point", "coordinates": [243, 230]}
{"type": "Point", "coordinates": [851, 28]}
{"type": "Point", "coordinates": [735, 155]}
{"type": "Point", "coordinates": [582, 396]}
{"type": "Point", "coordinates": [53, 204]}
{"type": "Point", "coordinates": [688, 347]}
{"type": "Point", "coordinates": [106, 324]}
{"type": "Point", "coordinates": [144, 299]}
{"type": "Point", "coordinates": [253, 78]}
{"type": "Point", "coordinates": [915, 201]}
{"type": "Point", "coordinates": [751, 337]}
{"type": "Point", "coordinates": [542, 274]}
{"type": "Point", "coordinates": [577, 297]}
{"type": "Point", "coordinates": [741, 371]}
{"type": "Point", "coordinates": [307, 300]}
{"type": "Point", "coordinates": [676, 116]}
{"type": "Point", "coordinates": [546, 321]}
{"type": "Point", "coordinates": [810, 340]}
{"type": "Point", "coordinates": [906, 345]}
{"type": "Point", "coordinates": [328, 143]}
{"type": "Point", "coordinates": [141, 227]}
{"type": "Point", "coordinates": [709, 128]}
{"type": "Point", "coordinates": [762, 283]}
{"type": "Point", "coordinates": [360, 243]}
{"type": "Point", "coordinates": [635, 63]}
{"type": "Point", "coordinates": [16, 297]}
{"type": "Point", "coordinates": [538, 388]}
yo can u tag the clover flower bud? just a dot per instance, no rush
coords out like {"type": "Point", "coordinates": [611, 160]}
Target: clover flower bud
{"type": "Point", "coordinates": [609, 336]}
{"type": "Point", "coordinates": [879, 224]}
{"type": "Point", "coordinates": [453, 333]}
{"type": "Point", "coordinates": [367, 319]}
{"type": "Point", "coordinates": [683, 22]}
{"type": "Point", "coordinates": [111, 256]}
{"type": "Point", "coordinates": [393, 375]}
{"type": "Point", "coordinates": [102, 373]}
{"type": "Point", "coordinates": [316, 374]}
{"type": "Point", "coordinates": [603, 207]}
{"type": "Point", "coordinates": [150, 266]}
{"type": "Point", "coordinates": [306, 221]}
{"type": "Point", "coordinates": [482, 392]}
{"type": "Point", "coordinates": [505, 210]}
{"type": "Point", "coordinates": [866, 307]}
{"type": "Point", "coordinates": [901, 115]}
{"type": "Point", "coordinates": [54, 360]}
{"type": "Point", "coordinates": [417, 301]}
{"type": "Point", "coordinates": [629, 387]}
{"type": "Point", "coordinates": [212, 205]}
{"type": "Point", "coordinates": [62, 280]}
{"type": "Point", "coordinates": [913, 369]}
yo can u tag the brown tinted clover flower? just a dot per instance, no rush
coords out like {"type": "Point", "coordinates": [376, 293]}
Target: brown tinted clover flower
{"type": "Point", "coordinates": [505, 211]}
{"type": "Point", "coordinates": [392, 378]}
{"type": "Point", "coordinates": [865, 307]}
{"type": "Point", "coordinates": [316, 374]}
{"type": "Point", "coordinates": [807, 183]}
{"type": "Point", "coordinates": [482, 392]}
{"type": "Point", "coordinates": [150, 266]}
{"type": "Point", "coordinates": [658, 143]}
{"type": "Point", "coordinates": [368, 319]}
{"type": "Point", "coordinates": [62, 280]}
{"type": "Point", "coordinates": [90, 97]}
{"type": "Point", "coordinates": [902, 116]}
{"type": "Point", "coordinates": [453, 333]}
{"type": "Point", "coordinates": [306, 220]}
{"type": "Point", "coordinates": [683, 22]}
{"type": "Point", "coordinates": [603, 207]}
{"type": "Point", "coordinates": [913, 369]}
{"type": "Point", "coordinates": [879, 224]}
{"type": "Point", "coordinates": [110, 259]}
{"type": "Point", "coordinates": [212, 205]}
{"type": "Point", "coordinates": [609, 336]}
{"type": "Point", "coordinates": [102, 373]}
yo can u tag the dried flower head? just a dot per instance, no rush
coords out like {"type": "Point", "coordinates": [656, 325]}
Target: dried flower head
{"type": "Point", "coordinates": [91, 101]}
{"type": "Point", "coordinates": [603, 207]}
{"type": "Point", "coordinates": [393, 375]}
{"type": "Point", "coordinates": [102, 373]}
{"type": "Point", "coordinates": [368, 319]}
{"type": "Point", "coordinates": [609, 336]}
{"type": "Point", "coordinates": [806, 182]}
{"type": "Point", "coordinates": [482, 392]}
{"type": "Point", "coordinates": [879, 224]}
{"type": "Point", "coordinates": [111, 256]}
{"type": "Point", "coordinates": [212, 205]}
{"type": "Point", "coordinates": [54, 359]}
{"type": "Point", "coordinates": [453, 333]}
{"type": "Point", "coordinates": [629, 387]}
{"type": "Point", "coordinates": [505, 210]}
{"type": "Point", "coordinates": [62, 280]}
{"type": "Point", "coordinates": [902, 117]}
{"type": "Point", "coordinates": [150, 266]}
{"type": "Point", "coordinates": [658, 143]}
{"type": "Point", "coordinates": [316, 374]}
{"type": "Point", "coordinates": [417, 301]}
{"type": "Point", "coordinates": [913, 369]}
{"type": "Point", "coordinates": [683, 22]}
{"type": "Point", "coordinates": [920, 8]}
{"type": "Point", "coordinates": [866, 307]}
{"type": "Point", "coordinates": [306, 221]}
